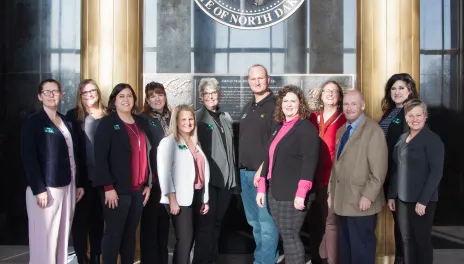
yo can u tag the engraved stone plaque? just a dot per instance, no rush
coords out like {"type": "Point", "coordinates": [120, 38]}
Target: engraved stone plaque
{"type": "Point", "coordinates": [235, 91]}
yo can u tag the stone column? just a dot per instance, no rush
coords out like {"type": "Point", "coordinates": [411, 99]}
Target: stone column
{"type": "Point", "coordinates": [174, 29]}
{"type": "Point", "coordinates": [295, 52]}
{"type": "Point", "coordinates": [387, 43]}
{"type": "Point", "coordinates": [111, 44]}
{"type": "Point", "coordinates": [326, 36]}
{"type": "Point", "coordinates": [112, 48]}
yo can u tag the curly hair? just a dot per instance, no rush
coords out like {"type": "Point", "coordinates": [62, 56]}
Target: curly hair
{"type": "Point", "coordinates": [303, 110]}
{"type": "Point", "coordinates": [320, 103]}
{"type": "Point", "coordinates": [387, 102]}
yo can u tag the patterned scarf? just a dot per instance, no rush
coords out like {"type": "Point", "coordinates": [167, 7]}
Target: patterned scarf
{"type": "Point", "coordinates": [164, 119]}
{"type": "Point", "coordinates": [324, 126]}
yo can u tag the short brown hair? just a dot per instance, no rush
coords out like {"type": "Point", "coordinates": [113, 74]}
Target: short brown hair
{"type": "Point", "coordinates": [303, 110]}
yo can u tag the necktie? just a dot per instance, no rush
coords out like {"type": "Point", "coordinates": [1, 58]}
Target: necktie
{"type": "Point", "coordinates": [345, 138]}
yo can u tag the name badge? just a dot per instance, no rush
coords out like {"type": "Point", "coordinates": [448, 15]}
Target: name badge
{"type": "Point", "coordinates": [49, 130]}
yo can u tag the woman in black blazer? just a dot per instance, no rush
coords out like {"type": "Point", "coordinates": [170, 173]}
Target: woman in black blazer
{"type": "Point", "coordinates": [398, 89]}
{"type": "Point", "coordinates": [88, 218]}
{"type": "Point", "coordinates": [48, 149]}
{"type": "Point", "coordinates": [122, 151]}
{"type": "Point", "coordinates": [418, 158]}
{"type": "Point", "coordinates": [289, 168]}
{"type": "Point", "coordinates": [154, 225]}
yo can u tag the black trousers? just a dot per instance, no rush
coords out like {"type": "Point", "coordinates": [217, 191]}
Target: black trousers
{"type": "Point", "coordinates": [316, 223]}
{"type": "Point", "coordinates": [416, 232]}
{"type": "Point", "coordinates": [121, 225]}
{"type": "Point", "coordinates": [356, 239]}
{"type": "Point", "coordinates": [154, 230]}
{"type": "Point", "coordinates": [209, 226]}
{"type": "Point", "coordinates": [289, 222]}
{"type": "Point", "coordinates": [88, 224]}
{"type": "Point", "coordinates": [185, 227]}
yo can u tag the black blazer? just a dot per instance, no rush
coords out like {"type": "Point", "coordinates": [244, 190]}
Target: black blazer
{"type": "Point", "coordinates": [295, 158]}
{"type": "Point", "coordinates": [45, 153]}
{"type": "Point", "coordinates": [397, 127]}
{"type": "Point", "coordinates": [155, 133]}
{"type": "Point", "coordinates": [418, 168]}
{"type": "Point", "coordinates": [113, 153]}
{"type": "Point", "coordinates": [71, 116]}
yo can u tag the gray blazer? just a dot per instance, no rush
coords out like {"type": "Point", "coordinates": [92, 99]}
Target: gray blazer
{"type": "Point", "coordinates": [221, 161]}
{"type": "Point", "coordinates": [419, 168]}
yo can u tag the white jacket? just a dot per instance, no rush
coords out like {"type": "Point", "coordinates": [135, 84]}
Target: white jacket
{"type": "Point", "coordinates": [176, 171]}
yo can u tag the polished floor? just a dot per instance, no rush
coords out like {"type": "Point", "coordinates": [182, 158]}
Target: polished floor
{"type": "Point", "coordinates": [448, 242]}
{"type": "Point", "coordinates": [19, 255]}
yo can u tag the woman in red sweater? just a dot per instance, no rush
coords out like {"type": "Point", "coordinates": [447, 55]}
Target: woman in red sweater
{"type": "Point", "coordinates": [327, 120]}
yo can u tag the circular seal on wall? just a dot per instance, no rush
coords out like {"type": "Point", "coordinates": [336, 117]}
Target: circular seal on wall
{"type": "Point", "coordinates": [249, 14]}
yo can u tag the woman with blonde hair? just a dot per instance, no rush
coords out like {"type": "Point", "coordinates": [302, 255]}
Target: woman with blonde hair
{"type": "Point", "coordinates": [88, 217]}
{"type": "Point", "coordinates": [183, 173]}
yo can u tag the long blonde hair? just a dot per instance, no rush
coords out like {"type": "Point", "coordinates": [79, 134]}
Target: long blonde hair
{"type": "Point", "coordinates": [80, 105]}
{"type": "Point", "coordinates": [173, 123]}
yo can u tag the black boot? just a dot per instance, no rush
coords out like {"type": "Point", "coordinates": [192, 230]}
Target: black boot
{"type": "Point", "coordinates": [95, 259]}
{"type": "Point", "coordinates": [82, 259]}
{"type": "Point", "coordinates": [399, 260]}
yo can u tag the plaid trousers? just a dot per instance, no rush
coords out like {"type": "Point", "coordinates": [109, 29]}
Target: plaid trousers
{"type": "Point", "coordinates": [289, 221]}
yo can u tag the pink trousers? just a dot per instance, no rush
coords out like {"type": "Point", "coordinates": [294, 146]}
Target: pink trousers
{"type": "Point", "coordinates": [49, 227]}
{"type": "Point", "coordinates": [328, 248]}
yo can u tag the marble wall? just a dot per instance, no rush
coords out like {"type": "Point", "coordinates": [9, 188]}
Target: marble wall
{"type": "Point", "coordinates": [40, 39]}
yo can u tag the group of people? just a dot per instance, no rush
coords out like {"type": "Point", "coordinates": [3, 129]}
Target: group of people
{"type": "Point", "coordinates": [99, 171]}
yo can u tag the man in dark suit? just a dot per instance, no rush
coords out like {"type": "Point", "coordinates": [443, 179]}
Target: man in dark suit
{"type": "Point", "coordinates": [355, 186]}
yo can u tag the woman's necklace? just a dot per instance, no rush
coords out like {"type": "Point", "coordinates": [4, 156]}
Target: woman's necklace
{"type": "Point", "coordinates": [217, 124]}
{"type": "Point", "coordinates": [136, 134]}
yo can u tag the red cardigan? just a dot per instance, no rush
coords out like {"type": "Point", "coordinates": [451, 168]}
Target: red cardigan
{"type": "Point", "coordinates": [327, 149]}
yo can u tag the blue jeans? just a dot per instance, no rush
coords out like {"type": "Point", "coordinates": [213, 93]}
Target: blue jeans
{"type": "Point", "coordinates": [265, 231]}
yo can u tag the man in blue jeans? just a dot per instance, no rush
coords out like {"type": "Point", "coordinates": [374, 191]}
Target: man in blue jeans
{"type": "Point", "coordinates": [256, 127]}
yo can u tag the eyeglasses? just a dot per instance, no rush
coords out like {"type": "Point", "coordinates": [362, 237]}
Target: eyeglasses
{"type": "Point", "coordinates": [329, 90]}
{"type": "Point", "coordinates": [52, 92]}
{"type": "Point", "coordinates": [215, 93]}
{"type": "Point", "coordinates": [90, 92]}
